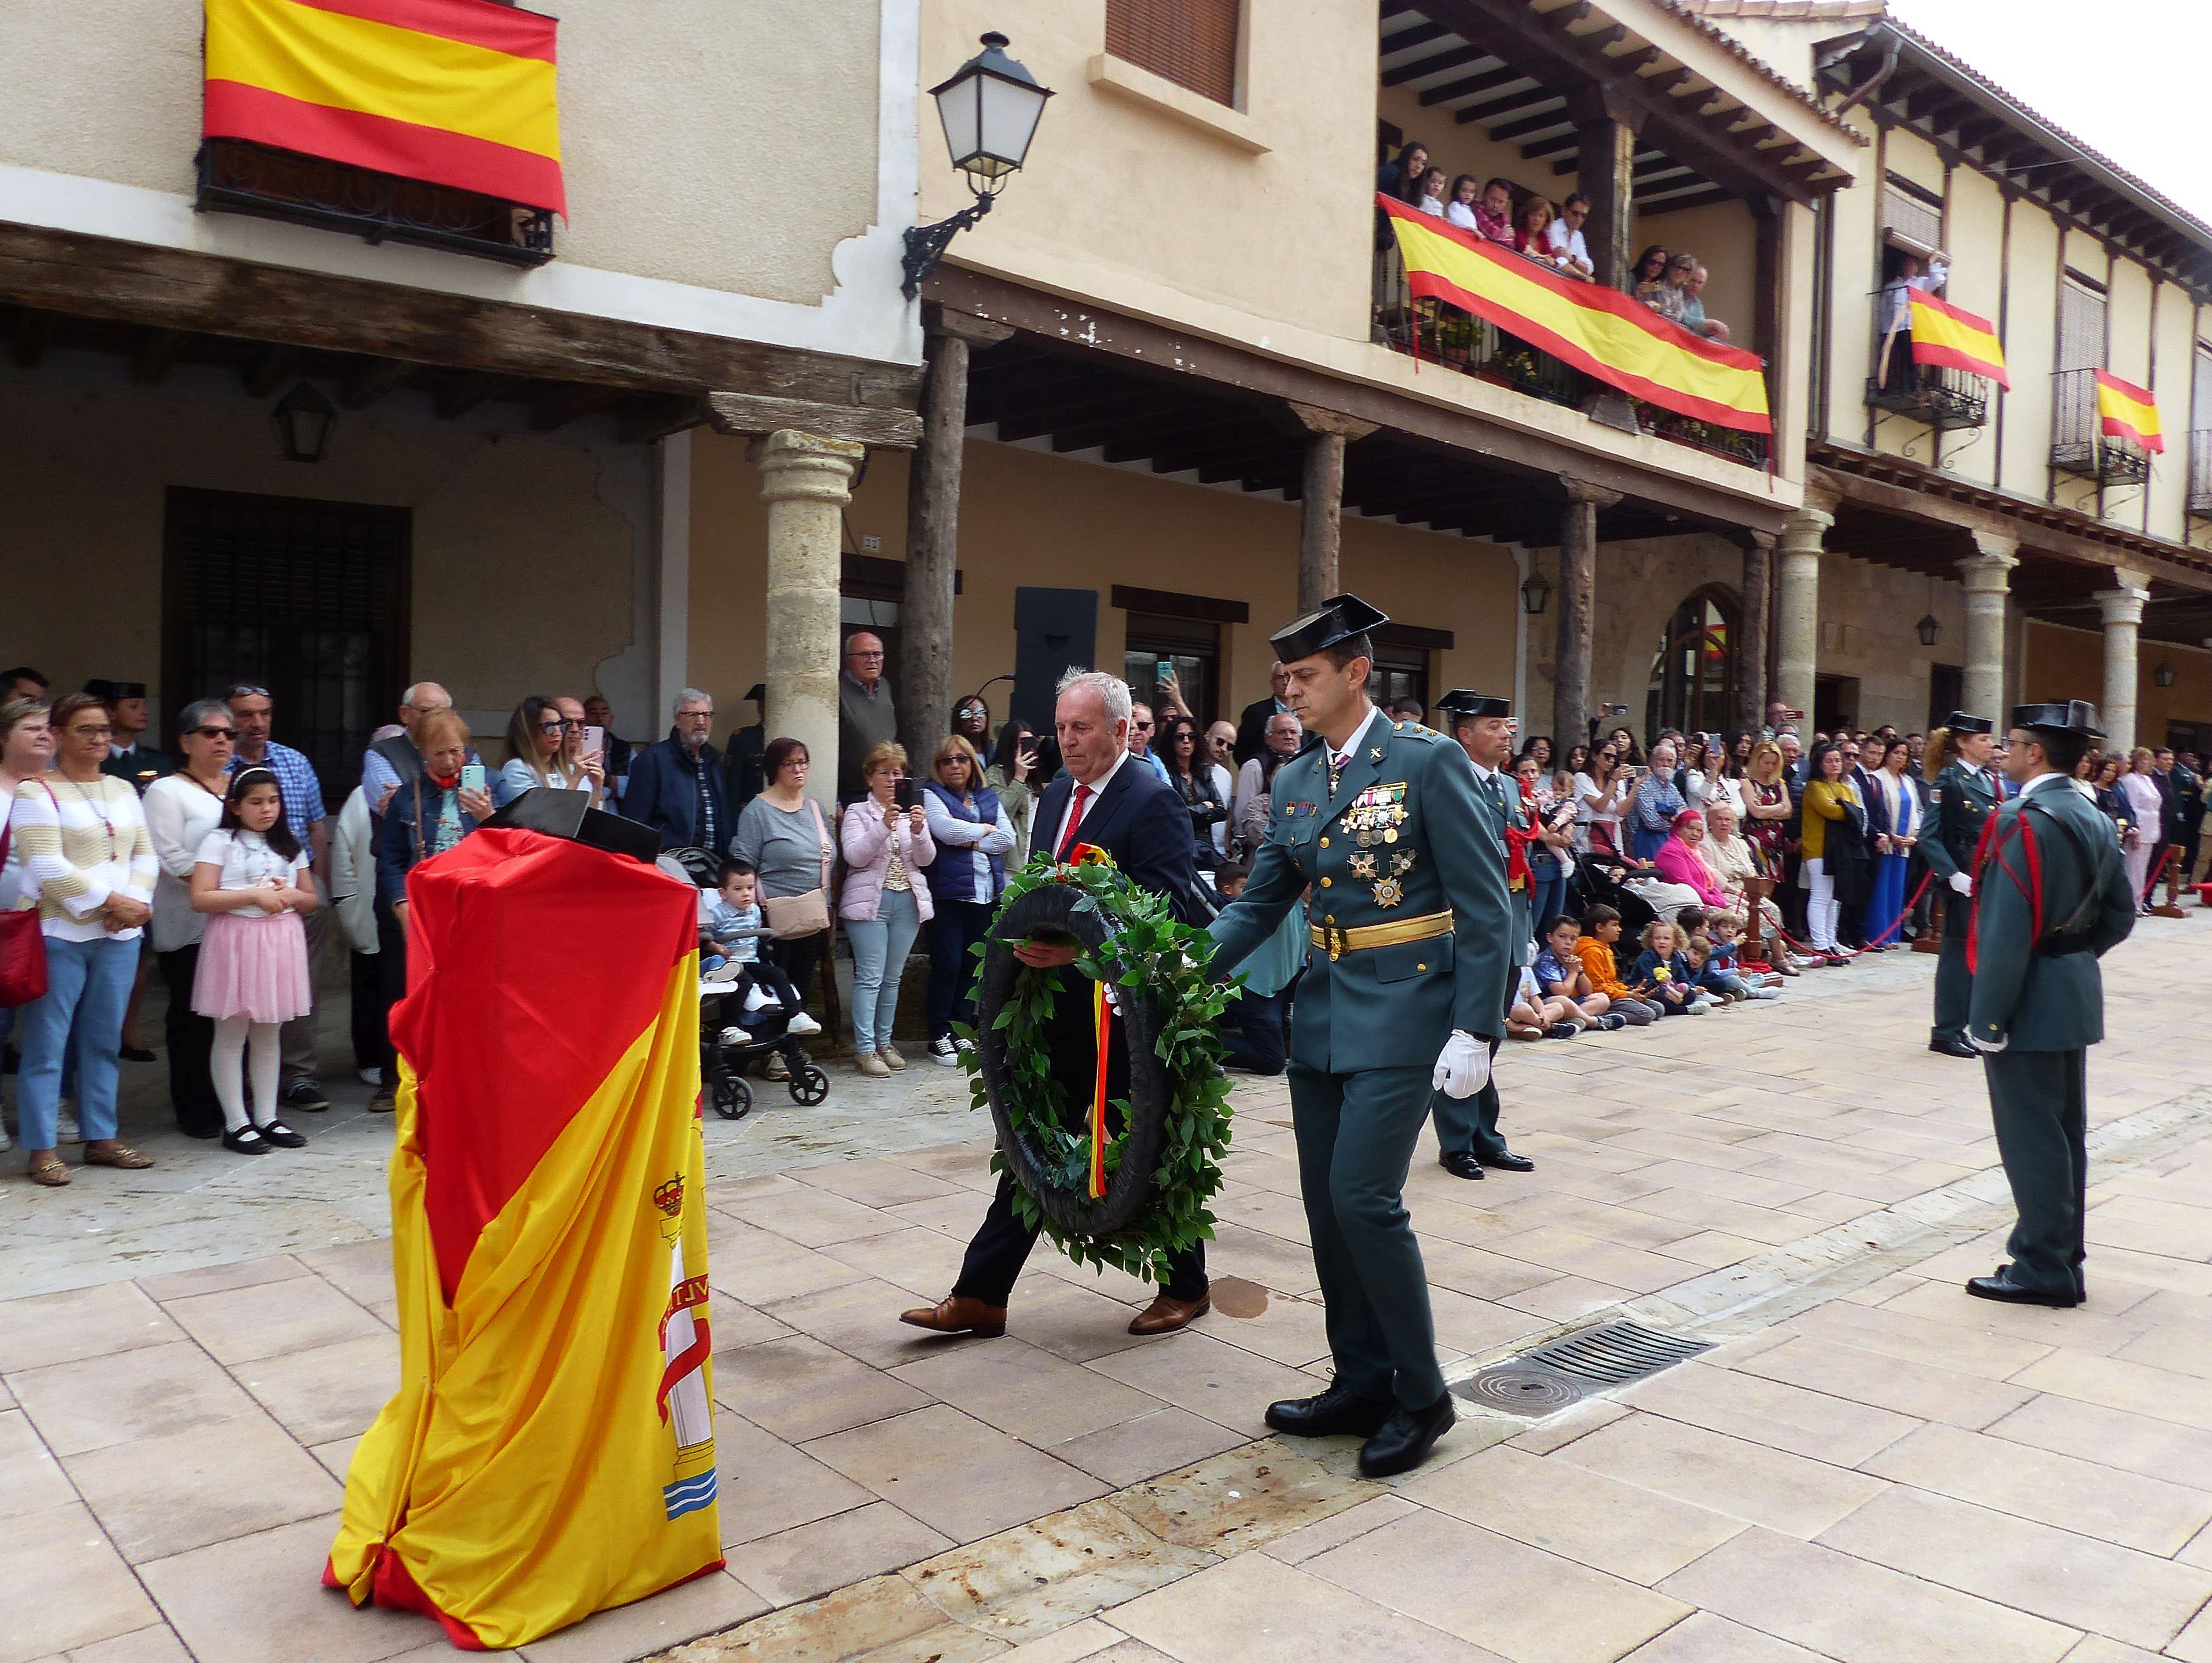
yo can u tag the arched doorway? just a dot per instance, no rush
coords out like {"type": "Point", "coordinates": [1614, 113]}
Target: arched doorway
{"type": "Point", "coordinates": [1694, 672]}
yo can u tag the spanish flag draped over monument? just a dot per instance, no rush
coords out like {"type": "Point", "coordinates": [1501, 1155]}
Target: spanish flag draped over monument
{"type": "Point", "coordinates": [451, 92]}
{"type": "Point", "coordinates": [1599, 330]}
{"type": "Point", "coordinates": [550, 1450]}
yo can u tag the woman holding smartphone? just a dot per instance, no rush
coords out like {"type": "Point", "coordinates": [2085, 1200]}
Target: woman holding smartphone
{"type": "Point", "coordinates": [885, 901]}
{"type": "Point", "coordinates": [544, 748]}
{"type": "Point", "coordinates": [1013, 775]}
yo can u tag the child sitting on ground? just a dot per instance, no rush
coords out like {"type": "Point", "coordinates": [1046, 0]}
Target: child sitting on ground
{"type": "Point", "coordinates": [1536, 1016]}
{"type": "Point", "coordinates": [729, 951]}
{"type": "Point", "coordinates": [1560, 974]}
{"type": "Point", "coordinates": [1664, 968]}
{"type": "Point", "coordinates": [1726, 931]}
{"type": "Point", "coordinates": [1594, 947]}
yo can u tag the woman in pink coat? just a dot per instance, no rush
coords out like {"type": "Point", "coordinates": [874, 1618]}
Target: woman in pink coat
{"type": "Point", "coordinates": [884, 901]}
{"type": "Point", "coordinates": [1679, 862]}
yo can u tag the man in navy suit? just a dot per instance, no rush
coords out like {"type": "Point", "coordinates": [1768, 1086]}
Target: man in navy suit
{"type": "Point", "coordinates": [1113, 802]}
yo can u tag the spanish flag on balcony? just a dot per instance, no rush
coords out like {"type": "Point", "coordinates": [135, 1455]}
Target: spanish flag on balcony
{"type": "Point", "coordinates": [550, 1450]}
{"type": "Point", "coordinates": [1599, 330]}
{"type": "Point", "coordinates": [2127, 412]}
{"type": "Point", "coordinates": [1952, 338]}
{"type": "Point", "coordinates": [458, 92]}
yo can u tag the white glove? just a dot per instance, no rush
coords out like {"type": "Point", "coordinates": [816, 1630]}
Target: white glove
{"type": "Point", "coordinates": [1963, 883]}
{"type": "Point", "coordinates": [1463, 1066]}
{"type": "Point", "coordinates": [1988, 1048]}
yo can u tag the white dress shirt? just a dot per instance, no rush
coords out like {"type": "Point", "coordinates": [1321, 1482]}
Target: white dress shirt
{"type": "Point", "coordinates": [1089, 803]}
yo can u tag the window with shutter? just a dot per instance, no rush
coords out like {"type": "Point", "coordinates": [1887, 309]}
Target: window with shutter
{"type": "Point", "coordinates": [1192, 43]}
{"type": "Point", "coordinates": [2081, 324]}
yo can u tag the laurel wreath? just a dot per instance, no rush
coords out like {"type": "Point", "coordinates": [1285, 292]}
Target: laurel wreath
{"type": "Point", "coordinates": [1147, 951]}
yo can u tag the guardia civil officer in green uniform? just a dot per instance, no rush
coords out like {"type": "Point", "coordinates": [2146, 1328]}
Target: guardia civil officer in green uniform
{"type": "Point", "coordinates": [1965, 791]}
{"type": "Point", "coordinates": [1468, 1138]}
{"type": "Point", "coordinates": [2052, 895]}
{"type": "Point", "coordinates": [1408, 963]}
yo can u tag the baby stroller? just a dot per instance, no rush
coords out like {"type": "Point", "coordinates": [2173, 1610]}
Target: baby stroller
{"type": "Point", "coordinates": [1597, 882]}
{"type": "Point", "coordinates": [722, 1065]}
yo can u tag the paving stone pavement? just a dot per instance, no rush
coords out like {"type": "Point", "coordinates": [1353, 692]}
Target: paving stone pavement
{"type": "Point", "coordinates": [1868, 1467]}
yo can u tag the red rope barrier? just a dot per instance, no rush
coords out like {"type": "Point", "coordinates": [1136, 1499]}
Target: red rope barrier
{"type": "Point", "coordinates": [1896, 923]}
{"type": "Point", "coordinates": [2159, 871]}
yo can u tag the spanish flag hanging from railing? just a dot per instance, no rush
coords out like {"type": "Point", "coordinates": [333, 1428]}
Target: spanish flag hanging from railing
{"type": "Point", "coordinates": [550, 1450]}
{"type": "Point", "coordinates": [2128, 411]}
{"type": "Point", "coordinates": [458, 92]}
{"type": "Point", "coordinates": [1952, 338]}
{"type": "Point", "coordinates": [1599, 330]}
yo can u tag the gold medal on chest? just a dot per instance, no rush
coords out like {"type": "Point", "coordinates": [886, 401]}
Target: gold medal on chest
{"type": "Point", "coordinates": [1388, 892]}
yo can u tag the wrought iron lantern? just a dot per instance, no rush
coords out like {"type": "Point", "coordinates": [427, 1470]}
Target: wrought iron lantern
{"type": "Point", "coordinates": [1535, 594]}
{"type": "Point", "coordinates": [1929, 630]}
{"type": "Point", "coordinates": [304, 420]}
{"type": "Point", "coordinates": [2166, 674]}
{"type": "Point", "coordinates": [989, 110]}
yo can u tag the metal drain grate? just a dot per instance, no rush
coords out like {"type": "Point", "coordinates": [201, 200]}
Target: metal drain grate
{"type": "Point", "coordinates": [1563, 1371]}
{"type": "Point", "coordinates": [1614, 1353]}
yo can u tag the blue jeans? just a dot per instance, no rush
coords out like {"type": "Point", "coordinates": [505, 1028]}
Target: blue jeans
{"type": "Point", "coordinates": [880, 946]}
{"type": "Point", "coordinates": [1549, 898]}
{"type": "Point", "coordinates": [957, 926]}
{"type": "Point", "coordinates": [88, 984]}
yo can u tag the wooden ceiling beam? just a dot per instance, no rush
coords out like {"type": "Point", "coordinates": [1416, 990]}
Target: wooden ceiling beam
{"type": "Point", "coordinates": [266, 369]}
{"type": "Point", "coordinates": [1470, 86]}
{"type": "Point", "coordinates": [156, 350]}
{"type": "Point", "coordinates": [1535, 123]}
{"type": "Point", "coordinates": [1526, 98]}
{"type": "Point", "coordinates": [371, 380]}
{"type": "Point", "coordinates": [1452, 57]}
{"type": "Point", "coordinates": [26, 341]}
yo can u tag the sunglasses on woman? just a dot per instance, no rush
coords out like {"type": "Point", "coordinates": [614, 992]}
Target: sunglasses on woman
{"type": "Point", "coordinates": [216, 732]}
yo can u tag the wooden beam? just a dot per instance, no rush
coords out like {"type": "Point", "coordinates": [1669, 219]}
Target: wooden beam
{"type": "Point", "coordinates": [1419, 34]}
{"type": "Point", "coordinates": [752, 413]}
{"type": "Point", "coordinates": [459, 393]}
{"type": "Point", "coordinates": [1469, 86]}
{"type": "Point", "coordinates": [1535, 123]}
{"type": "Point", "coordinates": [1526, 99]}
{"type": "Point", "coordinates": [1452, 58]}
{"type": "Point", "coordinates": [157, 351]}
{"type": "Point", "coordinates": [557, 409]}
{"type": "Point", "coordinates": [650, 420]}
{"type": "Point", "coordinates": [119, 282]}
{"type": "Point", "coordinates": [266, 369]}
{"type": "Point", "coordinates": [26, 341]}
{"type": "Point", "coordinates": [371, 380]}
{"type": "Point", "coordinates": [1704, 198]}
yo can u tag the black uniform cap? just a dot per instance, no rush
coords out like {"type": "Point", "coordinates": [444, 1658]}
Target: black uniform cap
{"type": "Point", "coordinates": [1459, 702]}
{"type": "Point", "coordinates": [1340, 619]}
{"type": "Point", "coordinates": [757, 694]}
{"type": "Point", "coordinates": [2059, 716]}
{"type": "Point", "coordinates": [1958, 722]}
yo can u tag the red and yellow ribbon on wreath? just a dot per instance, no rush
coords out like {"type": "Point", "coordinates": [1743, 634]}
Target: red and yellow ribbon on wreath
{"type": "Point", "coordinates": [1101, 1025]}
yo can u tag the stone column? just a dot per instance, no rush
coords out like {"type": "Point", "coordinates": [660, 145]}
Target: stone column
{"type": "Point", "coordinates": [1321, 501]}
{"type": "Point", "coordinates": [1752, 631]}
{"type": "Point", "coordinates": [932, 532]}
{"type": "Point", "coordinates": [1986, 576]}
{"type": "Point", "coordinates": [1797, 611]}
{"type": "Point", "coordinates": [806, 481]}
{"type": "Point", "coordinates": [1571, 671]}
{"type": "Point", "coordinates": [2123, 610]}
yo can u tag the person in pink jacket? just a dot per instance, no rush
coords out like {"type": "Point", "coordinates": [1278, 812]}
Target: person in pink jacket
{"type": "Point", "coordinates": [1679, 862]}
{"type": "Point", "coordinates": [884, 901]}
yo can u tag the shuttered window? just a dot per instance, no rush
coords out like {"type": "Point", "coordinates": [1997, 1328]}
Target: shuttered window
{"type": "Point", "coordinates": [2081, 324]}
{"type": "Point", "coordinates": [1192, 43]}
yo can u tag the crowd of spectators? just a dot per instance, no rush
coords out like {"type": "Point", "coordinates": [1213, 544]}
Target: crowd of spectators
{"type": "Point", "coordinates": [1660, 882]}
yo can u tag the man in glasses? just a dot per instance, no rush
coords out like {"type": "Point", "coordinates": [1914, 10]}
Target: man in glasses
{"type": "Point", "coordinates": [254, 711]}
{"type": "Point", "coordinates": [1563, 236]}
{"type": "Point", "coordinates": [1142, 726]}
{"type": "Point", "coordinates": [866, 717]}
{"type": "Point", "coordinates": [392, 763]}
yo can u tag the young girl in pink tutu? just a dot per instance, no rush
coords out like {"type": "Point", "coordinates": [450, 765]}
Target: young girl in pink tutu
{"type": "Point", "coordinates": [251, 877]}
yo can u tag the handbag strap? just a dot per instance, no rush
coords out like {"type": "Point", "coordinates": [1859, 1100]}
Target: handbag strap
{"type": "Point", "coordinates": [822, 832]}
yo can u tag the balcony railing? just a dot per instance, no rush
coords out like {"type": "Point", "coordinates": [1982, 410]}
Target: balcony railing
{"type": "Point", "coordinates": [1435, 332]}
{"type": "Point", "coordinates": [2200, 473]}
{"type": "Point", "coordinates": [1943, 398]}
{"type": "Point", "coordinates": [2077, 444]}
{"type": "Point", "coordinates": [253, 179]}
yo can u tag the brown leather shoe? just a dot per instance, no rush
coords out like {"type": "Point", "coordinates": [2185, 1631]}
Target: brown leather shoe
{"type": "Point", "coordinates": [1166, 1313]}
{"type": "Point", "coordinates": [956, 1313]}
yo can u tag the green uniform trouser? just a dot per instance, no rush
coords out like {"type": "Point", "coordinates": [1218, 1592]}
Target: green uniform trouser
{"type": "Point", "coordinates": [1356, 1134]}
{"type": "Point", "coordinates": [2039, 1101]}
{"type": "Point", "coordinates": [1954, 983]}
{"type": "Point", "coordinates": [1470, 1125]}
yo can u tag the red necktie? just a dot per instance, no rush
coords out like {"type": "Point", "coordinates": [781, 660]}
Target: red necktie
{"type": "Point", "coordinates": [1074, 823]}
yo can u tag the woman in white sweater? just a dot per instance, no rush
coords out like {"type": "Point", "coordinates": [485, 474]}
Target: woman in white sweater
{"type": "Point", "coordinates": [181, 810]}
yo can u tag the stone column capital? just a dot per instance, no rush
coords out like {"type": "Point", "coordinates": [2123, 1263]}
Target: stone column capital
{"type": "Point", "coordinates": [2126, 577]}
{"type": "Point", "coordinates": [805, 466]}
{"type": "Point", "coordinates": [1994, 546]}
{"type": "Point", "coordinates": [1582, 491]}
{"type": "Point", "coordinates": [1802, 533]}
{"type": "Point", "coordinates": [1314, 419]}
{"type": "Point", "coordinates": [1748, 537]}
{"type": "Point", "coordinates": [1987, 574]}
{"type": "Point", "coordinates": [2122, 607]}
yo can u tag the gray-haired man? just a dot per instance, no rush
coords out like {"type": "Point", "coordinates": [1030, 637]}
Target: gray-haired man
{"type": "Point", "coordinates": [675, 786]}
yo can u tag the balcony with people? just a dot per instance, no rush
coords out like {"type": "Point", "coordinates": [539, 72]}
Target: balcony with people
{"type": "Point", "coordinates": [1934, 362]}
{"type": "Point", "coordinates": [1502, 242]}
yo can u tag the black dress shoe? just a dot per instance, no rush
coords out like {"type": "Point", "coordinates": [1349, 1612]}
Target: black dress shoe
{"type": "Point", "coordinates": [1337, 1410]}
{"type": "Point", "coordinates": [1402, 1442]}
{"type": "Point", "coordinates": [1461, 1163]}
{"type": "Point", "coordinates": [1508, 1162]}
{"type": "Point", "coordinates": [283, 1136]}
{"type": "Point", "coordinates": [2002, 1288]}
{"type": "Point", "coordinates": [247, 1140]}
{"type": "Point", "coordinates": [135, 1053]}
{"type": "Point", "coordinates": [1952, 1046]}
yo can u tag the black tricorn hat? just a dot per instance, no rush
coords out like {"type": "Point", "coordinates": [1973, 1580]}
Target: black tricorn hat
{"type": "Point", "coordinates": [1461, 702]}
{"type": "Point", "coordinates": [1958, 722]}
{"type": "Point", "coordinates": [1340, 619]}
{"type": "Point", "coordinates": [2059, 716]}
{"type": "Point", "coordinates": [757, 694]}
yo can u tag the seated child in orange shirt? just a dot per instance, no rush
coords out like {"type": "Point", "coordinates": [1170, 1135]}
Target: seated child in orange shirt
{"type": "Point", "coordinates": [1600, 929]}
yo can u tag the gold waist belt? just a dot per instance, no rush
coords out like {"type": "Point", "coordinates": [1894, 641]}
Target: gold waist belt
{"type": "Point", "coordinates": [1360, 937]}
